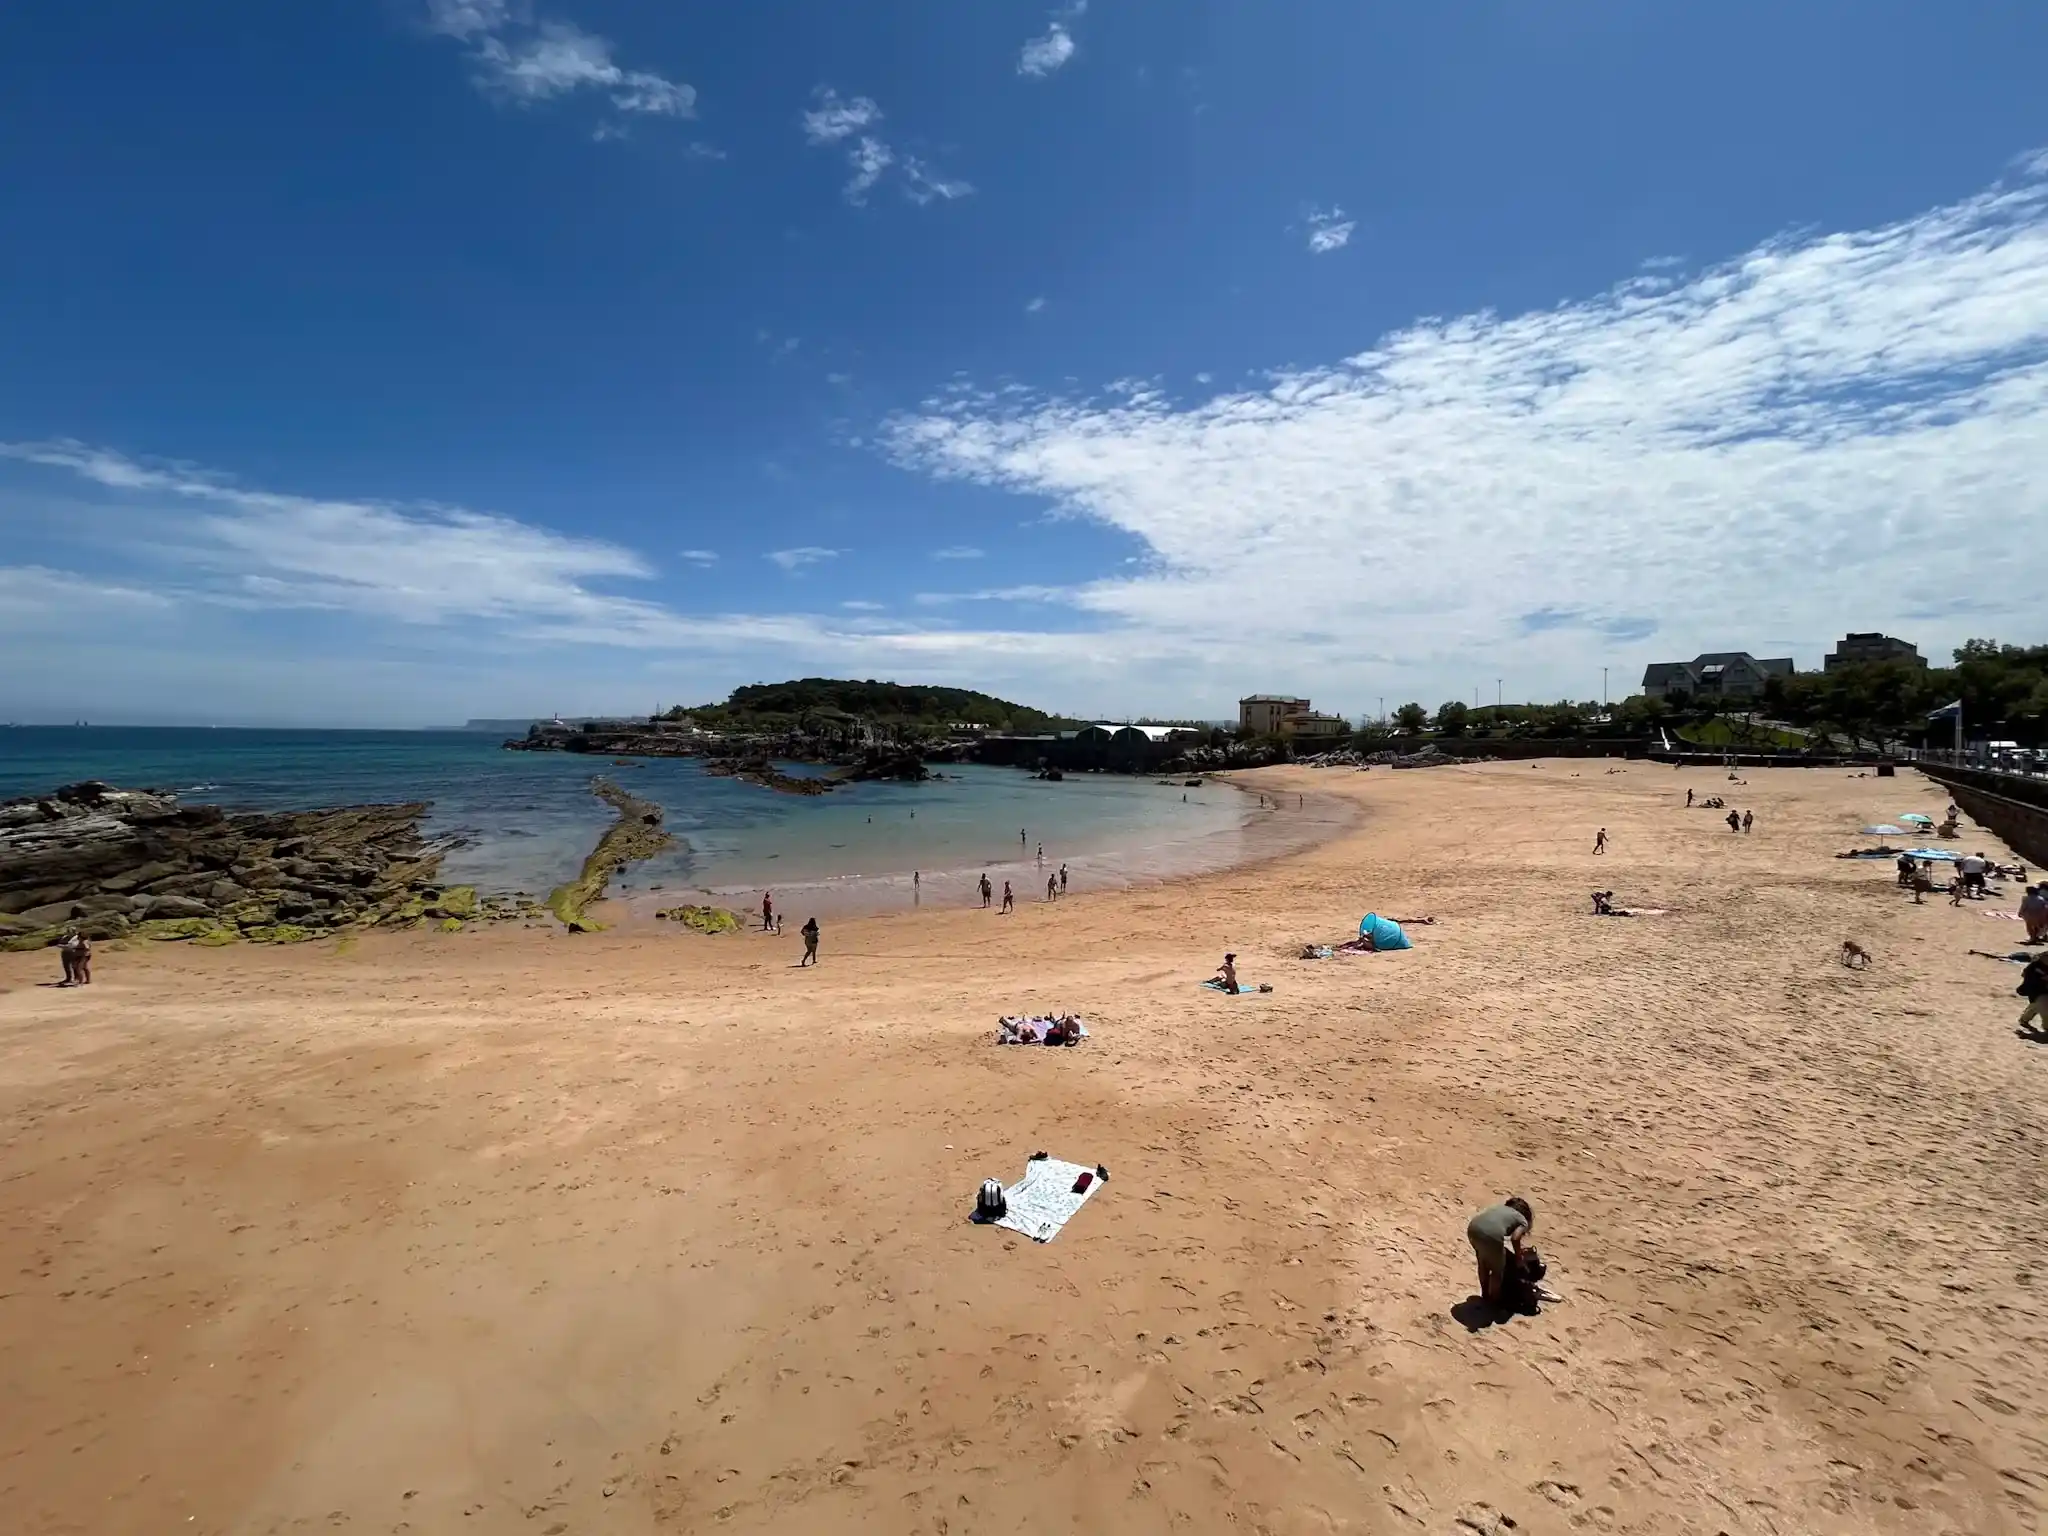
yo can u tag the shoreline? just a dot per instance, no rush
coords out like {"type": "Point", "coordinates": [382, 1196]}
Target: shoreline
{"type": "Point", "coordinates": [1125, 865]}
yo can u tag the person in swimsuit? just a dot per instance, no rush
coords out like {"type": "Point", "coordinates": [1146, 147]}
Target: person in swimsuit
{"type": "Point", "coordinates": [1063, 879]}
{"type": "Point", "coordinates": [987, 891]}
{"type": "Point", "coordinates": [1497, 1234]}
{"type": "Point", "coordinates": [767, 911]}
{"type": "Point", "coordinates": [1600, 841]}
{"type": "Point", "coordinates": [1009, 897]}
{"type": "Point", "coordinates": [1227, 975]}
{"type": "Point", "coordinates": [1052, 887]}
{"type": "Point", "coordinates": [810, 933]}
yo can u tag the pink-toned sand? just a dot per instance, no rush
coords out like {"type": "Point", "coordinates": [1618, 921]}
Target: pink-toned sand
{"type": "Point", "coordinates": [643, 1231]}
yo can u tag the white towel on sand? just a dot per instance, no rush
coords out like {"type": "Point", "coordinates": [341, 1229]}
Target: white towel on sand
{"type": "Point", "coordinates": [1043, 1200]}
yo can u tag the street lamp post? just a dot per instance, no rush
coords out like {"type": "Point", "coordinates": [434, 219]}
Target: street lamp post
{"type": "Point", "coordinates": [1603, 687]}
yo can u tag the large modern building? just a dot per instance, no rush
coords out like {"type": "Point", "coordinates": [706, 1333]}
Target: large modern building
{"type": "Point", "coordinates": [1714, 675]}
{"type": "Point", "coordinates": [1855, 648]}
{"type": "Point", "coordinates": [1279, 714]}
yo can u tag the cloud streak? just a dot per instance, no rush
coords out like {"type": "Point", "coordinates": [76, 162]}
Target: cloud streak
{"type": "Point", "coordinates": [525, 62]}
{"type": "Point", "coordinates": [1792, 441]}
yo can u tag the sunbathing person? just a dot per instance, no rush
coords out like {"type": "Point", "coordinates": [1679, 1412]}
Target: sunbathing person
{"type": "Point", "coordinates": [1226, 976]}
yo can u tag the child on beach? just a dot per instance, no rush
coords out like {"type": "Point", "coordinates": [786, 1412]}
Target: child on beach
{"type": "Point", "coordinates": [1600, 841]}
{"type": "Point", "coordinates": [810, 933]}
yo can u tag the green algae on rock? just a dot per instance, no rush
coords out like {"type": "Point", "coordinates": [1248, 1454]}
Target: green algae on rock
{"type": "Point", "coordinates": [635, 835]}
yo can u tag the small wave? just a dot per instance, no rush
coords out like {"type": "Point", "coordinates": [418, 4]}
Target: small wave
{"type": "Point", "coordinates": [195, 789]}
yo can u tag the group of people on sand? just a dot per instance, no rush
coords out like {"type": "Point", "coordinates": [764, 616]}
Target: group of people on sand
{"type": "Point", "coordinates": [771, 922]}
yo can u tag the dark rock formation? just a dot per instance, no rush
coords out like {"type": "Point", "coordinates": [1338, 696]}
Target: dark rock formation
{"type": "Point", "coordinates": [114, 863]}
{"type": "Point", "coordinates": [758, 770]}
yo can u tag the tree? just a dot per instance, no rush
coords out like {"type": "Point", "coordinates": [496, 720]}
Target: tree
{"type": "Point", "coordinates": [1452, 718]}
{"type": "Point", "coordinates": [1411, 718]}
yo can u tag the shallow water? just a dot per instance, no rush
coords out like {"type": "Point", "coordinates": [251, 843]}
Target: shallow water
{"type": "Point", "coordinates": [528, 818]}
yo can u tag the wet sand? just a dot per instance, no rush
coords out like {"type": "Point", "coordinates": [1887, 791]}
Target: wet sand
{"type": "Point", "coordinates": [641, 1231]}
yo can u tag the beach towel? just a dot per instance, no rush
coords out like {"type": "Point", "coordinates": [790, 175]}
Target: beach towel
{"type": "Point", "coordinates": [1244, 988]}
{"type": "Point", "coordinates": [1045, 1200]}
{"type": "Point", "coordinates": [1015, 1030]}
{"type": "Point", "coordinates": [1384, 932]}
{"type": "Point", "coordinates": [1935, 853]}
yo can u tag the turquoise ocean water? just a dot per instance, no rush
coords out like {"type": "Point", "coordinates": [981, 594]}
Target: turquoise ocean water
{"type": "Point", "coordinates": [527, 818]}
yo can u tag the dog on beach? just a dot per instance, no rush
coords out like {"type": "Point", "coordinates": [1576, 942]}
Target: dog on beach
{"type": "Point", "coordinates": [1855, 956]}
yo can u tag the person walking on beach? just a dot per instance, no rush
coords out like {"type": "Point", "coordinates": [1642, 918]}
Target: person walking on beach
{"type": "Point", "coordinates": [1041, 855]}
{"type": "Point", "coordinates": [810, 933]}
{"type": "Point", "coordinates": [1497, 1234]}
{"type": "Point", "coordinates": [1600, 841]}
{"type": "Point", "coordinates": [987, 891]}
{"type": "Point", "coordinates": [1748, 820]}
{"type": "Point", "coordinates": [1009, 897]}
{"type": "Point", "coordinates": [1688, 799]}
{"type": "Point", "coordinates": [2034, 988]}
{"type": "Point", "coordinates": [1063, 879]}
{"type": "Point", "coordinates": [1734, 821]}
{"type": "Point", "coordinates": [1052, 887]}
{"type": "Point", "coordinates": [767, 911]}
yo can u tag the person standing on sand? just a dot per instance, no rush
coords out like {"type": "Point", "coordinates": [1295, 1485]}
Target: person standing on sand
{"type": "Point", "coordinates": [1063, 879]}
{"type": "Point", "coordinates": [987, 891]}
{"type": "Point", "coordinates": [1052, 887]}
{"type": "Point", "coordinates": [1021, 843]}
{"type": "Point", "coordinates": [1009, 897]}
{"type": "Point", "coordinates": [2034, 988]}
{"type": "Point", "coordinates": [1497, 1234]}
{"type": "Point", "coordinates": [2034, 912]}
{"type": "Point", "coordinates": [1748, 820]}
{"type": "Point", "coordinates": [1600, 841]}
{"type": "Point", "coordinates": [810, 933]}
{"type": "Point", "coordinates": [767, 911]}
{"type": "Point", "coordinates": [1734, 821]}
{"type": "Point", "coordinates": [1688, 799]}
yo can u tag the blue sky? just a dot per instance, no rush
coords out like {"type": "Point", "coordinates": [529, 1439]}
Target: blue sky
{"type": "Point", "coordinates": [395, 361]}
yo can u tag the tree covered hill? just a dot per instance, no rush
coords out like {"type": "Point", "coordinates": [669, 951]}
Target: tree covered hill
{"type": "Point", "coordinates": [764, 706]}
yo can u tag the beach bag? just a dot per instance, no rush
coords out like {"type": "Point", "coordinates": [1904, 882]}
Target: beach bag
{"type": "Point", "coordinates": [990, 1205]}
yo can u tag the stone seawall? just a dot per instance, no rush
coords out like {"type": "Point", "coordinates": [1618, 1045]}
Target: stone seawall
{"type": "Point", "coordinates": [2014, 807]}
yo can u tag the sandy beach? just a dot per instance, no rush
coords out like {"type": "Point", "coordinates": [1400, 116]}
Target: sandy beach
{"type": "Point", "coordinates": [516, 1231]}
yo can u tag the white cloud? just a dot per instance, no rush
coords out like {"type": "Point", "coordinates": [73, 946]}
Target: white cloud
{"type": "Point", "coordinates": [1811, 437]}
{"type": "Point", "coordinates": [699, 556]}
{"type": "Point", "coordinates": [797, 559]}
{"type": "Point", "coordinates": [861, 605]}
{"type": "Point", "coordinates": [958, 552]}
{"type": "Point", "coordinates": [923, 185]}
{"type": "Point", "coordinates": [425, 565]}
{"type": "Point", "coordinates": [869, 158]}
{"type": "Point", "coordinates": [1329, 230]}
{"type": "Point", "coordinates": [1035, 305]}
{"type": "Point", "coordinates": [1042, 55]}
{"type": "Point", "coordinates": [466, 18]}
{"type": "Point", "coordinates": [34, 597]}
{"type": "Point", "coordinates": [525, 61]}
{"type": "Point", "coordinates": [833, 118]}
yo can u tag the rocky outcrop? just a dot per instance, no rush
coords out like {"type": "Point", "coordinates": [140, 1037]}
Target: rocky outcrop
{"type": "Point", "coordinates": [115, 863]}
{"type": "Point", "coordinates": [635, 835]}
{"type": "Point", "coordinates": [758, 770]}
